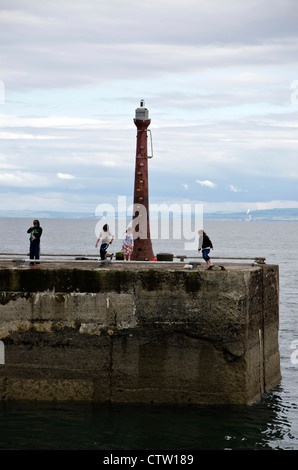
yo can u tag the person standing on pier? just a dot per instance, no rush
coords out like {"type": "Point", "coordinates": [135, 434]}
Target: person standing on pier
{"type": "Point", "coordinates": [127, 244]}
{"type": "Point", "coordinates": [35, 234]}
{"type": "Point", "coordinates": [205, 244]}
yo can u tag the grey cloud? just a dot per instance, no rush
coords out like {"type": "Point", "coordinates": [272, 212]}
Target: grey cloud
{"type": "Point", "coordinates": [192, 59]}
{"type": "Point", "coordinates": [162, 22]}
{"type": "Point", "coordinates": [58, 44]}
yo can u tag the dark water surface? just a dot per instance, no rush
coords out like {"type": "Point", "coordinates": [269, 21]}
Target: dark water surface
{"type": "Point", "coordinates": [270, 424]}
{"type": "Point", "coordinates": [139, 427]}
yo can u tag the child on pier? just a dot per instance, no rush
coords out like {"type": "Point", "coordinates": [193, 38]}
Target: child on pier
{"type": "Point", "coordinates": [127, 244]}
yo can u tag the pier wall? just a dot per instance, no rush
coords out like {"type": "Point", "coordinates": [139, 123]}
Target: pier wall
{"type": "Point", "coordinates": [146, 334]}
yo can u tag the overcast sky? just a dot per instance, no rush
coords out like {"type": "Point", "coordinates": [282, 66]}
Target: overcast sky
{"type": "Point", "coordinates": [219, 77]}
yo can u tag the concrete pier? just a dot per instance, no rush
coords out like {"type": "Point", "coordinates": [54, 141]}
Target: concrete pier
{"type": "Point", "coordinates": [128, 333]}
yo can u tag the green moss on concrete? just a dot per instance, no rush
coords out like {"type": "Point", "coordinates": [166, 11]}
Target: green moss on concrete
{"type": "Point", "coordinates": [64, 280]}
{"type": "Point", "coordinates": [152, 280]}
{"type": "Point", "coordinates": [94, 280]}
{"type": "Point", "coordinates": [192, 281]}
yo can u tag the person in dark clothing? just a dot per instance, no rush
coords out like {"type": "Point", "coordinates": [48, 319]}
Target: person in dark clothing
{"type": "Point", "coordinates": [205, 244]}
{"type": "Point", "coordinates": [35, 234]}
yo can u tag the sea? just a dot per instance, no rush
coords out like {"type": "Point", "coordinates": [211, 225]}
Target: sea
{"type": "Point", "coordinates": [269, 424]}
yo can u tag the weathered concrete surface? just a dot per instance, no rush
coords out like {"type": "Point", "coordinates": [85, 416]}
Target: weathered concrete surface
{"type": "Point", "coordinates": [127, 334]}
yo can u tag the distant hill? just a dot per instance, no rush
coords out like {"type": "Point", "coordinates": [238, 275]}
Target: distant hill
{"type": "Point", "coordinates": [47, 214]}
{"type": "Point", "coordinates": [257, 215]}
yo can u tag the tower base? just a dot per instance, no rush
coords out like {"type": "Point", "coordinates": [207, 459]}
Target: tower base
{"type": "Point", "coordinates": [142, 250]}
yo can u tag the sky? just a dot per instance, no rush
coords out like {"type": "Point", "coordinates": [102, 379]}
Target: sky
{"type": "Point", "coordinates": [220, 80]}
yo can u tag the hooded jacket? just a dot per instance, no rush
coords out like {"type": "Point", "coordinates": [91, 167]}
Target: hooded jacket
{"type": "Point", "coordinates": [35, 233]}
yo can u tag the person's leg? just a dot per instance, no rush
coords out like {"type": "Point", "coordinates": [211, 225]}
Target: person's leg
{"type": "Point", "coordinates": [209, 262]}
{"type": "Point", "coordinates": [103, 250]}
{"type": "Point", "coordinates": [37, 251]}
{"type": "Point", "coordinates": [206, 257]}
{"type": "Point", "coordinates": [31, 252]}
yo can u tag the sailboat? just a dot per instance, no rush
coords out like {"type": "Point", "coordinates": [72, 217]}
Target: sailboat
{"type": "Point", "coordinates": [248, 219]}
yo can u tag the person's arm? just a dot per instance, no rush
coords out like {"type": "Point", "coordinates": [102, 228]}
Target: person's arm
{"type": "Point", "coordinates": [97, 241]}
{"type": "Point", "coordinates": [200, 243]}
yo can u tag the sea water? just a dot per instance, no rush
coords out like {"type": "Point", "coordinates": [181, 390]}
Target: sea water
{"type": "Point", "coordinates": [271, 423]}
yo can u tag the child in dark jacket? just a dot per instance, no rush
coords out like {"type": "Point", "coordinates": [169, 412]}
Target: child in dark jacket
{"type": "Point", "coordinates": [35, 234]}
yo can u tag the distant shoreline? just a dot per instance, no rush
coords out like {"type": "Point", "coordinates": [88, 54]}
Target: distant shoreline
{"type": "Point", "coordinates": [273, 215]}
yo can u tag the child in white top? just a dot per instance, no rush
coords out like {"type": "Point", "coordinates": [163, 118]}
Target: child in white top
{"type": "Point", "coordinates": [106, 239]}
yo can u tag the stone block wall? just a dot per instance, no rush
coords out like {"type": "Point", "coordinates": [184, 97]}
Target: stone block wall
{"type": "Point", "coordinates": [164, 335]}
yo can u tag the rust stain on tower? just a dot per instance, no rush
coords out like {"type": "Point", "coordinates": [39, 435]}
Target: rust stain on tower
{"type": "Point", "coordinates": [141, 226]}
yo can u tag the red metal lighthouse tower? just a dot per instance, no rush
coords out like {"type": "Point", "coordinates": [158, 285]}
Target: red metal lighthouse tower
{"type": "Point", "coordinates": [141, 227]}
